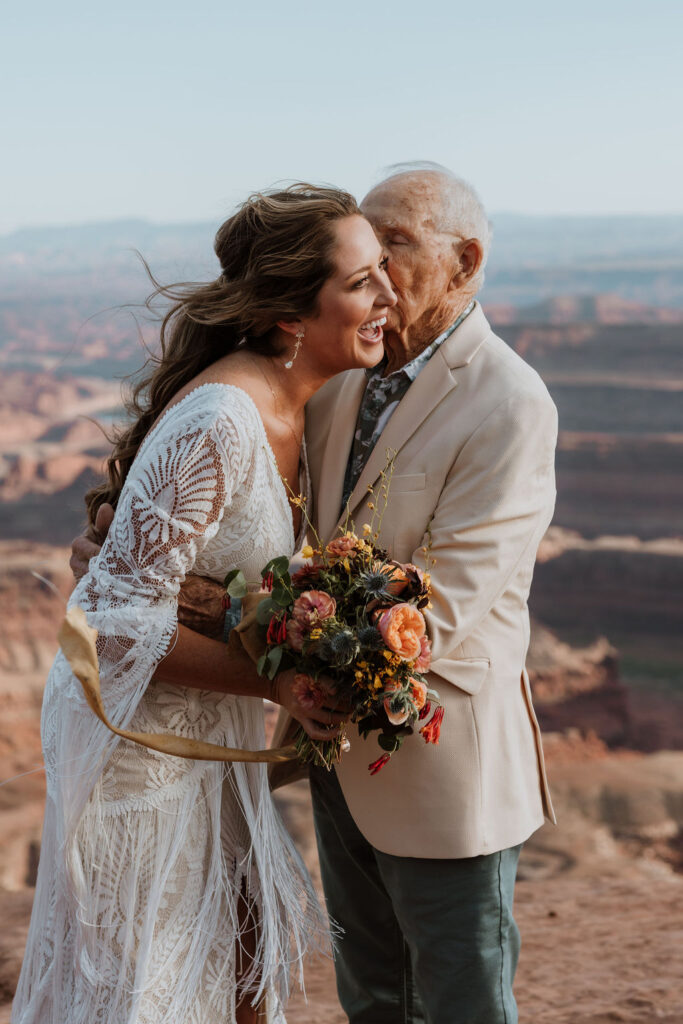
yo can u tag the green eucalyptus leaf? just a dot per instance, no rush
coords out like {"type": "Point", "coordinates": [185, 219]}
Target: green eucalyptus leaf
{"type": "Point", "coordinates": [365, 725]}
{"type": "Point", "coordinates": [281, 595]}
{"type": "Point", "coordinates": [265, 611]}
{"type": "Point", "coordinates": [274, 657]}
{"type": "Point", "coordinates": [236, 584]}
{"type": "Point", "coordinates": [261, 664]}
{"type": "Point", "coordinates": [278, 566]}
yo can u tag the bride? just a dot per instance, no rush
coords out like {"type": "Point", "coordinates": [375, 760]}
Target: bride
{"type": "Point", "coordinates": [168, 890]}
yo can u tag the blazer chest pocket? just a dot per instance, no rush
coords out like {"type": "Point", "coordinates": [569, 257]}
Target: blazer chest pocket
{"type": "Point", "coordinates": [404, 483]}
{"type": "Point", "coordinates": [467, 674]}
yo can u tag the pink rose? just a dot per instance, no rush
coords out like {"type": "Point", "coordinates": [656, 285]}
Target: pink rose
{"type": "Point", "coordinates": [424, 658]}
{"type": "Point", "coordinates": [313, 606]}
{"type": "Point", "coordinates": [309, 693]}
{"type": "Point", "coordinates": [402, 626]}
{"type": "Point", "coordinates": [296, 634]}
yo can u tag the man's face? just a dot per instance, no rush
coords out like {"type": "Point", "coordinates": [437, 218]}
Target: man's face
{"type": "Point", "coordinates": [404, 213]}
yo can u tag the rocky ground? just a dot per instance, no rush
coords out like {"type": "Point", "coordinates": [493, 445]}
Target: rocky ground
{"type": "Point", "coordinates": [599, 951]}
{"type": "Point", "coordinates": [601, 944]}
{"type": "Point", "coordinates": [600, 897]}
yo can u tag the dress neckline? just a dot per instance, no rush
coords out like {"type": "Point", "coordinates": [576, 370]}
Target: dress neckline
{"type": "Point", "coordinates": [304, 476]}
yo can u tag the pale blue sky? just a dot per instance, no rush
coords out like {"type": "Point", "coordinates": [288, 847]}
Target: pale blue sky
{"type": "Point", "coordinates": [174, 111]}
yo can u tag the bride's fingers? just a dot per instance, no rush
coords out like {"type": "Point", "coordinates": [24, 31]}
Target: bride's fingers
{"type": "Point", "coordinates": [326, 717]}
{"type": "Point", "coordinates": [318, 731]}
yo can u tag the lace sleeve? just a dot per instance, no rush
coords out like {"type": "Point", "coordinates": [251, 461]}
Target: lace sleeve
{"type": "Point", "coordinates": [174, 498]}
{"type": "Point", "coordinates": [170, 508]}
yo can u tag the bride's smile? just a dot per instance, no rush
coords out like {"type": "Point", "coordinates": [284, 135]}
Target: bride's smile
{"type": "Point", "coordinates": [347, 328]}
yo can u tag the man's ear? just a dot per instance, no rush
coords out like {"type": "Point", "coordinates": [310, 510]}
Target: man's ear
{"type": "Point", "coordinates": [470, 259]}
{"type": "Point", "coordinates": [290, 326]}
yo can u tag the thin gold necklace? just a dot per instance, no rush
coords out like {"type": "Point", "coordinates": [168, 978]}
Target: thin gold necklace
{"type": "Point", "coordinates": [297, 440]}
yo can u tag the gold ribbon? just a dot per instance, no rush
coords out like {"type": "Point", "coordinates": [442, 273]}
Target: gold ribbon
{"type": "Point", "coordinates": [77, 640]}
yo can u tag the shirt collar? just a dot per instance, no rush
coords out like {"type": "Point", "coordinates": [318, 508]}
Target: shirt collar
{"type": "Point", "coordinates": [411, 369]}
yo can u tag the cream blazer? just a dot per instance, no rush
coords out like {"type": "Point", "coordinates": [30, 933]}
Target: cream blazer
{"type": "Point", "coordinates": [475, 440]}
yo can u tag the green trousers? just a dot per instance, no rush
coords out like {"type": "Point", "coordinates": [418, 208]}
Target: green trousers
{"type": "Point", "coordinates": [425, 941]}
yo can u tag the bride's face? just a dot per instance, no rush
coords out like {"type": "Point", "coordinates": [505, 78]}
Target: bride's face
{"type": "Point", "coordinates": [347, 330]}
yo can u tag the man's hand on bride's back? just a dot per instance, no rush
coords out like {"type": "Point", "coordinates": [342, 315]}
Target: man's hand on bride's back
{"type": "Point", "coordinates": [321, 723]}
{"type": "Point", "coordinates": [88, 544]}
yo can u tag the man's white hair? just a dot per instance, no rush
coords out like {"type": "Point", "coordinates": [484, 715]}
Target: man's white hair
{"type": "Point", "coordinates": [462, 211]}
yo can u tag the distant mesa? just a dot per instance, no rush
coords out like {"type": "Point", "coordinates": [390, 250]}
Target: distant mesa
{"type": "Point", "coordinates": [577, 309]}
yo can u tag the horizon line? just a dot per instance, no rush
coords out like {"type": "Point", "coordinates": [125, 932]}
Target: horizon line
{"type": "Point", "coordinates": [199, 221]}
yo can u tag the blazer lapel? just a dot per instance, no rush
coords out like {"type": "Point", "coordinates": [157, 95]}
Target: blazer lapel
{"type": "Point", "coordinates": [433, 383]}
{"type": "Point", "coordinates": [336, 455]}
{"type": "Point", "coordinates": [424, 394]}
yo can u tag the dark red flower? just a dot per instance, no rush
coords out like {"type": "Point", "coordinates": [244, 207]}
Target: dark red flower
{"type": "Point", "coordinates": [305, 576]}
{"type": "Point", "coordinates": [225, 601]}
{"type": "Point", "coordinates": [268, 581]}
{"type": "Point", "coordinates": [282, 631]}
{"type": "Point", "coordinates": [273, 631]}
{"type": "Point", "coordinates": [378, 764]}
{"type": "Point", "coordinates": [424, 711]}
{"type": "Point", "coordinates": [432, 730]}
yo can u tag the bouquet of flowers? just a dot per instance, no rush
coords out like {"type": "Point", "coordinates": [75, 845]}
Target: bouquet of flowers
{"type": "Point", "coordinates": [350, 621]}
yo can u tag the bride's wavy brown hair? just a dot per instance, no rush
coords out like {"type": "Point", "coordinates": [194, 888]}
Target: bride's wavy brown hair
{"type": "Point", "coordinates": [275, 255]}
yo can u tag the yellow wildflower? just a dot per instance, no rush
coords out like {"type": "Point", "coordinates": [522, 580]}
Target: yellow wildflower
{"type": "Point", "coordinates": [307, 551]}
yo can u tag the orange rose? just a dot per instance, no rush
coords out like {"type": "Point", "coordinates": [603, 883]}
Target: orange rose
{"type": "Point", "coordinates": [419, 691]}
{"type": "Point", "coordinates": [395, 572]}
{"type": "Point", "coordinates": [399, 716]}
{"type": "Point", "coordinates": [402, 627]}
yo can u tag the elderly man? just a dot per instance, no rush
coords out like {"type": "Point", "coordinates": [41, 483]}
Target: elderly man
{"type": "Point", "coordinates": [419, 862]}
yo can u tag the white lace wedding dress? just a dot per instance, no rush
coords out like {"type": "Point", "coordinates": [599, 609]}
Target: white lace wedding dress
{"type": "Point", "coordinates": [144, 855]}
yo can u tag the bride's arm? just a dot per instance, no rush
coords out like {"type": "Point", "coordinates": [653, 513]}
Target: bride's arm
{"type": "Point", "coordinates": [205, 664]}
{"type": "Point", "coordinates": [197, 659]}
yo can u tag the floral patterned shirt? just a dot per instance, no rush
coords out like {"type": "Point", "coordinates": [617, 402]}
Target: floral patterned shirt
{"type": "Point", "coordinates": [381, 398]}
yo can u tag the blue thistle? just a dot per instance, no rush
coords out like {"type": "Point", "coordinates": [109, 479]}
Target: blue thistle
{"type": "Point", "coordinates": [370, 638]}
{"type": "Point", "coordinates": [375, 583]}
{"type": "Point", "coordinates": [338, 649]}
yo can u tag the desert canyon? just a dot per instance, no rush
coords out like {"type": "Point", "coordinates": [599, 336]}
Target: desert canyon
{"type": "Point", "coordinates": [600, 897]}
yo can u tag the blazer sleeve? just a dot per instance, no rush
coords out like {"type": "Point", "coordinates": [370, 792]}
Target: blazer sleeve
{"type": "Point", "coordinates": [496, 505]}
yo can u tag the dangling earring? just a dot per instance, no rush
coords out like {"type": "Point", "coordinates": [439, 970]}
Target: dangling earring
{"type": "Point", "coordinates": [299, 339]}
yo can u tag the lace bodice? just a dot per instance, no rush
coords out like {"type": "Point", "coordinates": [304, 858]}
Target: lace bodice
{"type": "Point", "coordinates": [145, 855]}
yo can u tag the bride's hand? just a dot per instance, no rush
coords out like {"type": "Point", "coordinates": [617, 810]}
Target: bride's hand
{"type": "Point", "coordinates": [321, 723]}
